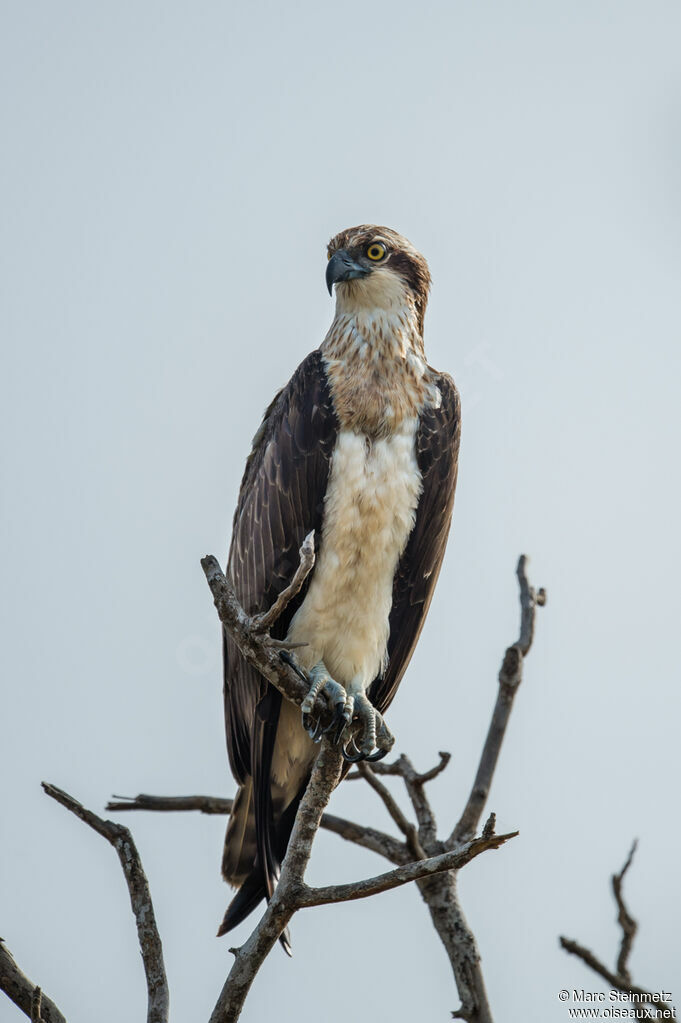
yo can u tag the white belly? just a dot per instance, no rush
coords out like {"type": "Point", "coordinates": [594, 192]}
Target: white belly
{"type": "Point", "coordinates": [369, 512]}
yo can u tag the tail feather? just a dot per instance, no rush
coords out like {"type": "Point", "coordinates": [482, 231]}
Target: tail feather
{"type": "Point", "coordinates": [242, 866]}
{"type": "Point", "coordinates": [252, 891]}
{"type": "Point", "coordinates": [240, 846]}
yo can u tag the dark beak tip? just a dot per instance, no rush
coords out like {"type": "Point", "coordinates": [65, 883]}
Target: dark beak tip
{"type": "Point", "coordinates": [330, 276]}
{"type": "Point", "coordinates": [342, 267]}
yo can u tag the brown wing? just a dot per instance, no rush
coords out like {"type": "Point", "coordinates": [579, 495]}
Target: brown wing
{"type": "Point", "coordinates": [280, 501]}
{"type": "Point", "coordinates": [437, 453]}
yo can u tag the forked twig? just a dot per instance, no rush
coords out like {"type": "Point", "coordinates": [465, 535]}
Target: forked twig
{"type": "Point", "coordinates": [510, 677]}
{"type": "Point", "coordinates": [620, 978]}
{"type": "Point", "coordinates": [22, 991]}
{"type": "Point", "coordinates": [158, 1001]}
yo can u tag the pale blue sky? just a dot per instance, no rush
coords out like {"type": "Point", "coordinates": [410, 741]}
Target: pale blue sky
{"type": "Point", "coordinates": [171, 174]}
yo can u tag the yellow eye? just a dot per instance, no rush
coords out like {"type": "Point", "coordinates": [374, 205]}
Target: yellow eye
{"type": "Point", "coordinates": [376, 251]}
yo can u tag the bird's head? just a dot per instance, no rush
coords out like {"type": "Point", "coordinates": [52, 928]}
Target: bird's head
{"type": "Point", "coordinates": [376, 268]}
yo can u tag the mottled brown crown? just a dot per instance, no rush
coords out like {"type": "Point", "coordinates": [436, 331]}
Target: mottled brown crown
{"type": "Point", "coordinates": [402, 258]}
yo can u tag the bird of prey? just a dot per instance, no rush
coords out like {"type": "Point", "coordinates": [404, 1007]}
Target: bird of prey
{"type": "Point", "coordinates": [360, 446]}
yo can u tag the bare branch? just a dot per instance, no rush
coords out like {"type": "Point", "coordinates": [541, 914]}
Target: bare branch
{"type": "Point", "coordinates": [529, 600]}
{"type": "Point", "coordinates": [434, 771]}
{"type": "Point", "coordinates": [292, 893]}
{"type": "Point", "coordinates": [435, 872]}
{"type": "Point", "coordinates": [36, 1005]}
{"type": "Point", "coordinates": [621, 979]}
{"type": "Point", "coordinates": [398, 767]}
{"type": "Point", "coordinates": [613, 979]}
{"type": "Point", "coordinates": [360, 834]}
{"type": "Point", "coordinates": [369, 838]}
{"type": "Point", "coordinates": [250, 957]}
{"type": "Point", "coordinates": [263, 622]}
{"type": "Point", "coordinates": [436, 864]}
{"type": "Point", "coordinates": [408, 829]}
{"type": "Point", "coordinates": [452, 860]}
{"type": "Point", "coordinates": [422, 841]}
{"type": "Point", "coordinates": [624, 918]}
{"type": "Point", "coordinates": [490, 825]}
{"type": "Point", "coordinates": [22, 991]}
{"type": "Point", "coordinates": [510, 677]}
{"type": "Point", "coordinates": [424, 812]}
{"type": "Point", "coordinates": [172, 804]}
{"type": "Point", "coordinates": [259, 649]}
{"type": "Point", "coordinates": [403, 768]}
{"type": "Point", "coordinates": [439, 892]}
{"type": "Point", "coordinates": [140, 900]}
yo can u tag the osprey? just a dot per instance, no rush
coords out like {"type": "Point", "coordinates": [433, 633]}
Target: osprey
{"type": "Point", "coordinates": [361, 446]}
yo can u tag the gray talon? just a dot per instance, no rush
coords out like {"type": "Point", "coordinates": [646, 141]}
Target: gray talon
{"type": "Point", "coordinates": [340, 719]}
{"type": "Point", "coordinates": [349, 756]}
{"type": "Point", "coordinates": [372, 739]}
{"type": "Point", "coordinates": [320, 680]}
{"type": "Point", "coordinates": [318, 732]}
{"type": "Point", "coordinates": [287, 658]}
{"type": "Point", "coordinates": [312, 726]}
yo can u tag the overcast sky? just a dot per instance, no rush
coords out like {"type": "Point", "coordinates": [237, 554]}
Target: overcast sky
{"type": "Point", "coordinates": [170, 176]}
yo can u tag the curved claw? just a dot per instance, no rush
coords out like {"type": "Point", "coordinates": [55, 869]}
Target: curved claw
{"type": "Point", "coordinates": [338, 723]}
{"type": "Point", "coordinates": [318, 732]}
{"type": "Point", "coordinates": [378, 755]}
{"type": "Point", "coordinates": [348, 757]}
{"type": "Point", "coordinates": [286, 657]}
{"type": "Point", "coordinates": [313, 727]}
{"type": "Point", "coordinates": [369, 757]}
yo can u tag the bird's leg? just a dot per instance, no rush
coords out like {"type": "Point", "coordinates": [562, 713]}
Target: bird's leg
{"type": "Point", "coordinates": [372, 740]}
{"type": "Point", "coordinates": [353, 712]}
{"type": "Point", "coordinates": [342, 710]}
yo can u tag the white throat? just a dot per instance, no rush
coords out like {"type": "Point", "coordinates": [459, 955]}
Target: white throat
{"type": "Point", "coordinates": [377, 312]}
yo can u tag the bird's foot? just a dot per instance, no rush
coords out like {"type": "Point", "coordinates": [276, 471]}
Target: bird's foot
{"type": "Point", "coordinates": [338, 698]}
{"type": "Point", "coordinates": [355, 720]}
{"type": "Point", "coordinates": [371, 739]}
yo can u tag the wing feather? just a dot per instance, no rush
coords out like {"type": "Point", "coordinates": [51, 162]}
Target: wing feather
{"type": "Point", "coordinates": [281, 499]}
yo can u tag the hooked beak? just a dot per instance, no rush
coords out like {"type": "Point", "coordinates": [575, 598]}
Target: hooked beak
{"type": "Point", "coordinates": [342, 267]}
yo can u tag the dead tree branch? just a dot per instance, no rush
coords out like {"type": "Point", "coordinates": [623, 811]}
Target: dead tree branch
{"type": "Point", "coordinates": [409, 831]}
{"type": "Point", "coordinates": [263, 622]}
{"type": "Point", "coordinates": [421, 857]}
{"type": "Point", "coordinates": [369, 838]}
{"type": "Point", "coordinates": [292, 894]}
{"type": "Point", "coordinates": [250, 635]}
{"type": "Point", "coordinates": [158, 1003]}
{"type": "Point", "coordinates": [171, 804]}
{"type": "Point", "coordinates": [22, 991]}
{"type": "Point", "coordinates": [510, 677]}
{"type": "Point", "coordinates": [250, 956]}
{"type": "Point", "coordinates": [36, 1005]}
{"type": "Point", "coordinates": [425, 859]}
{"type": "Point", "coordinates": [624, 918]}
{"type": "Point", "coordinates": [439, 891]}
{"type": "Point", "coordinates": [414, 871]}
{"type": "Point", "coordinates": [620, 978]}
